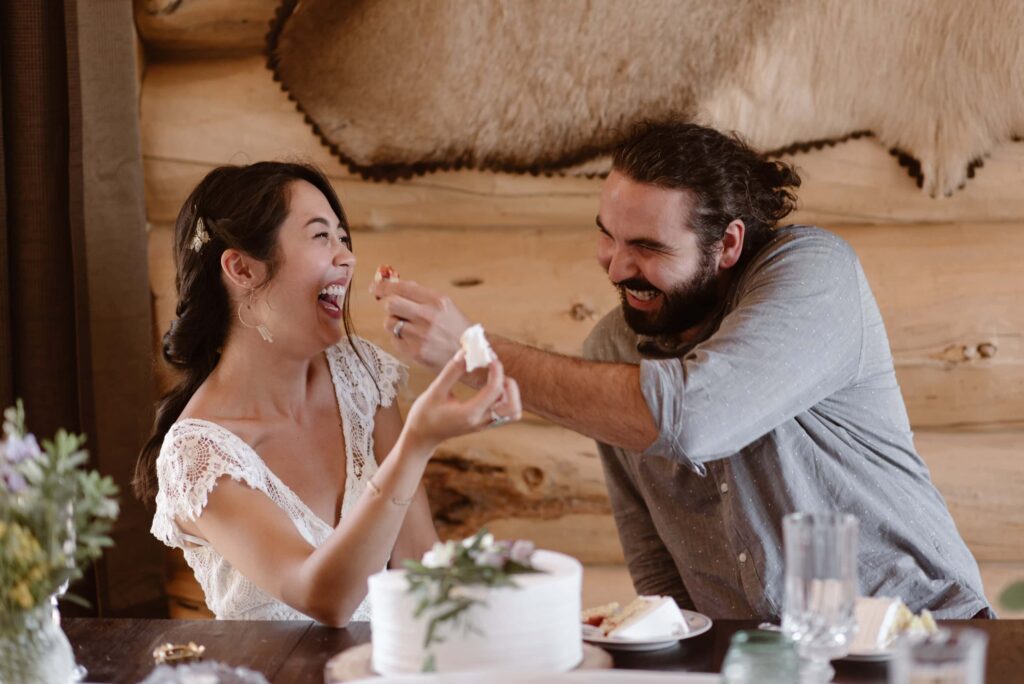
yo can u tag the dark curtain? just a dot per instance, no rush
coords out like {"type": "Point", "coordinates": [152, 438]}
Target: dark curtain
{"type": "Point", "coordinates": [74, 293]}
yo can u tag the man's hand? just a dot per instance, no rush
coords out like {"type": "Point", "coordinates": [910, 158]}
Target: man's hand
{"type": "Point", "coordinates": [432, 323]}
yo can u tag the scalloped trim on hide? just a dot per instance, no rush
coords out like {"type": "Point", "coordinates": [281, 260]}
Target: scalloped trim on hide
{"type": "Point", "coordinates": [587, 153]}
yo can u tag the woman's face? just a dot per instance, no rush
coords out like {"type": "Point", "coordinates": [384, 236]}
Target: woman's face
{"type": "Point", "coordinates": [302, 304]}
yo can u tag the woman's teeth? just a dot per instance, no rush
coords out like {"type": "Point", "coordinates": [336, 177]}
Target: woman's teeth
{"type": "Point", "coordinates": [643, 295]}
{"type": "Point", "coordinates": [332, 294]}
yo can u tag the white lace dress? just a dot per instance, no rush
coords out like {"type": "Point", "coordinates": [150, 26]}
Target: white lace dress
{"type": "Point", "coordinates": [196, 453]}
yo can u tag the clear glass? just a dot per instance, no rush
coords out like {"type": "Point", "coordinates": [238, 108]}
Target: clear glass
{"type": "Point", "coordinates": [760, 657]}
{"type": "Point", "coordinates": [821, 588]}
{"type": "Point", "coordinates": [946, 657]}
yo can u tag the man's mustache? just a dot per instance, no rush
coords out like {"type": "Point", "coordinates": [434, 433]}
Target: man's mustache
{"type": "Point", "coordinates": [637, 284]}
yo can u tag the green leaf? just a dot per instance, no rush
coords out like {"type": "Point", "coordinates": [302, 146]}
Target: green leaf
{"type": "Point", "coordinates": [1012, 597]}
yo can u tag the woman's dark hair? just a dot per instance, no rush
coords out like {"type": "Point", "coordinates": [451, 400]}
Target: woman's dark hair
{"type": "Point", "coordinates": [242, 207]}
{"type": "Point", "coordinates": [728, 179]}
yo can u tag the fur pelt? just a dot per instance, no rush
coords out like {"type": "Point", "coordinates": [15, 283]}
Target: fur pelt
{"type": "Point", "coordinates": [397, 87]}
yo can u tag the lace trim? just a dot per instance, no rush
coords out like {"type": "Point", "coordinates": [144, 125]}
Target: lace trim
{"type": "Point", "coordinates": [197, 453]}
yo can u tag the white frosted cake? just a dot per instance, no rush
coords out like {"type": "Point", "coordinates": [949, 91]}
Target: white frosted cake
{"type": "Point", "coordinates": [533, 627]}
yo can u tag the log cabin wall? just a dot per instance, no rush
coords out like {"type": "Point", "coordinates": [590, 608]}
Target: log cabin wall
{"type": "Point", "coordinates": [516, 253]}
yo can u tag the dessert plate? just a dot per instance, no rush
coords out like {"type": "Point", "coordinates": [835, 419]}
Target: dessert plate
{"type": "Point", "coordinates": [876, 656]}
{"type": "Point", "coordinates": [697, 622]}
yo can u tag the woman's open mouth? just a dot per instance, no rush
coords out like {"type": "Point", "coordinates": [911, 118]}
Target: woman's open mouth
{"type": "Point", "coordinates": [331, 299]}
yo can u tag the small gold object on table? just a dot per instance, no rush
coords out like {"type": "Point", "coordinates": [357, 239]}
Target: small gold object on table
{"type": "Point", "coordinates": [171, 654]}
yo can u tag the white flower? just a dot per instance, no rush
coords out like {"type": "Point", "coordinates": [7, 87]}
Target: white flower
{"type": "Point", "coordinates": [486, 542]}
{"type": "Point", "coordinates": [441, 556]}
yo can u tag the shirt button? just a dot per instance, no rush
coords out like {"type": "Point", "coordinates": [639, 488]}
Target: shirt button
{"type": "Point", "coordinates": [742, 558]}
{"type": "Point", "coordinates": [724, 487]}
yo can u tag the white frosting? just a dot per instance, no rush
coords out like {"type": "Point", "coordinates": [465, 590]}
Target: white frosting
{"type": "Point", "coordinates": [531, 628]}
{"type": "Point", "coordinates": [660, 617]}
{"type": "Point", "coordinates": [478, 351]}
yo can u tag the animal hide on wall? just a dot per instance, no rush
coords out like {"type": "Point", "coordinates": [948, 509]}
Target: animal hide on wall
{"type": "Point", "coordinates": [399, 87]}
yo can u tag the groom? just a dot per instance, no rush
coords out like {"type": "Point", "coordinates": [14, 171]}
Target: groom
{"type": "Point", "coordinates": [746, 375]}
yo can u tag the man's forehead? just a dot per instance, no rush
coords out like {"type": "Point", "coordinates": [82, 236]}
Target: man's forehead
{"type": "Point", "coordinates": [629, 208]}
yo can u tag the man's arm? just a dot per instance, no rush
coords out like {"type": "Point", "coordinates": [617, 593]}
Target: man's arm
{"type": "Point", "coordinates": [551, 385]}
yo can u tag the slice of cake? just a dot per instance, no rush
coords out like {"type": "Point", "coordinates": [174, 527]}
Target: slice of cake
{"type": "Point", "coordinates": [385, 273]}
{"type": "Point", "coordinates": [880, 620]}
{"type": "Point", "coordinates": [478, 350]}
{"type": "Point", "coordinates": [646, 617]}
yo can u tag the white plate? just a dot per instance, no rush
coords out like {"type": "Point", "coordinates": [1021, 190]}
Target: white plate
{"type": "Point", "coordinates": [697, 622]}
{"type": "Point", "coordinates": [879, 656]}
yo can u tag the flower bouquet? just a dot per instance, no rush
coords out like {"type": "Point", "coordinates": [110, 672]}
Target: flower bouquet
{"type": "Point", "coordinates": [444, 570]}
{"type": "Point", "coordinates": [54, 520]}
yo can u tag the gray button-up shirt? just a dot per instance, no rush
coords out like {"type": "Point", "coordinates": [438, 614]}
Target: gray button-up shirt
{"type": "Point", "coordinates": [790, 404]}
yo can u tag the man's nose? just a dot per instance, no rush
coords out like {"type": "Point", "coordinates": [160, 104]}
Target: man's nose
{"type": "Point", "coordinates": [620, 266]}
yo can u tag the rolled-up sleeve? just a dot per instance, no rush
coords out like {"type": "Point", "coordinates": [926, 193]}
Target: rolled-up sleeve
{"type": "Point", "coordinates": [793, 338]}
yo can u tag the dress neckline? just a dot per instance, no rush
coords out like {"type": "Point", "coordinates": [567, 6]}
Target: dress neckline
{"type": "Point", "coordinates": [277, 481]}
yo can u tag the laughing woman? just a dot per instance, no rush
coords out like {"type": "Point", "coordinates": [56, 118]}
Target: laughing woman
{"type": "Point", "coordinates": [280, 464]}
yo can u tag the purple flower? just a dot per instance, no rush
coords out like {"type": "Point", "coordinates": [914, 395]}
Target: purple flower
{"type": "Point", "coordinates": [490, 559]}
{"type": "Point", "coordinates": [18, 449]}
{"type": "Point", "coordinates": [522, 551]}
{"type": "Point", "coordinates": [13, 480]}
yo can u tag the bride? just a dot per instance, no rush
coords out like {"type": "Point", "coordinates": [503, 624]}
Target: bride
{"type": "Point", "coordinates": [279, 463]}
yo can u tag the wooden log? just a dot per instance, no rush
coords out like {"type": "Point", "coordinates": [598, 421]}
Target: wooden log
{"type": "Point", "coordinates": [204, 27]}
{"type": "Point", "coordinates": [525, 481]}
{"type": "Point", "coordinates": [981, 475]}
{"type": "Point", "coordinates": [208, 112]}
{"type": "Point", "coordinates": [542, 287]}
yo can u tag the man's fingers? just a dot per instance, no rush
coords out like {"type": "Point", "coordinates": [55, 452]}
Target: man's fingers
{"type": "Point", "coordinates": [407, 289]}
{"type": "Point", "coordinates": [401, 307]}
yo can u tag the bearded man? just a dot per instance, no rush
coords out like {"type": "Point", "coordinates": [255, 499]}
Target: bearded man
{"type": "Point", "coordinates": [747, 375]}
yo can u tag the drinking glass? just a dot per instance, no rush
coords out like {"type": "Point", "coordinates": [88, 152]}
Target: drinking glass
{"type": "Point", "coordinates": [950, 656]}
{"type": "Point", "coordinates": [821, 588]}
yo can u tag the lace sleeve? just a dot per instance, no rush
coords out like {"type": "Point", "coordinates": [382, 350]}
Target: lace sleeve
{"type": "Point", "coordinates": [192, 459]}
{"type": "Point", "coordinates": [390, 374]}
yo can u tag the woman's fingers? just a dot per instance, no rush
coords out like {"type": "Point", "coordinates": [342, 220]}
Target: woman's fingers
{"type": "Point", "coordinates": [481, 403]}
{"type": "Point", "coordinates": [508, 405]}
{"type": "Point", "coordinates": [450, 375]}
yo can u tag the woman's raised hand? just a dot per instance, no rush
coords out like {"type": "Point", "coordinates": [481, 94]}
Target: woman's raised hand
{"type": "Point", "coordinates": [438, 415]}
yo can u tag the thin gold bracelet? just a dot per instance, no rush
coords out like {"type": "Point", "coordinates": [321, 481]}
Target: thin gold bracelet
{"type": "Point", "coordinates": [395, 500]}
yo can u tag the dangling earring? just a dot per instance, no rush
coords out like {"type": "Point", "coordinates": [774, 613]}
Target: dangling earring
{"type": "Point", "coordinates": [263, 330]}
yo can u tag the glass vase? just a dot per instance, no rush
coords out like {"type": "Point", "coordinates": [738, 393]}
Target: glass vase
{"type": "Point", "coordinates": [34, 650]}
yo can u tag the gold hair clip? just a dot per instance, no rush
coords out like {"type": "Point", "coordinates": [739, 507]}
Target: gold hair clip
{"type": "Point", "coordinates": [178, 653]}
{"type": "Point", "coordinates": [201, 236]}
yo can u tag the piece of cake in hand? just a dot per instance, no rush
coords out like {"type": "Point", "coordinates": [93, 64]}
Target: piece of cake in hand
{"type": "Point", "coordinates": [478, 350]}
{"type": "Point", "coordinates": [385, 273]}
{"type": "Point", "coordinates": [646, 617]}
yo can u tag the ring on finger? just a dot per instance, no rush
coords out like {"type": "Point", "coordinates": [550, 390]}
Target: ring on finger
{"type": "Point", "coordinates": [397, 330]}
{"type": "Point", "coordinates": [498, 420]}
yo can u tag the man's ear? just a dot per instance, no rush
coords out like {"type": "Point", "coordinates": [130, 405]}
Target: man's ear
{"type": "Point", "coordinates": [241, 270]}
{"type": "Point", "coordinates": [732, 244]}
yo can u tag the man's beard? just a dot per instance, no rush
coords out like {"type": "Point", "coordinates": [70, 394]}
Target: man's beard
{"type": "Point", "coordinates": [682, 308]}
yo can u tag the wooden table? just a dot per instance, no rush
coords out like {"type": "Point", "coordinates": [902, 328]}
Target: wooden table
{"type": "Point", "coordinates": [120, 650]}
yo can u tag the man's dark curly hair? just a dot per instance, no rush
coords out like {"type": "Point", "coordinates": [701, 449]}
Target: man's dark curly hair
{"type": "Point", "coordinates": [728, 179]}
